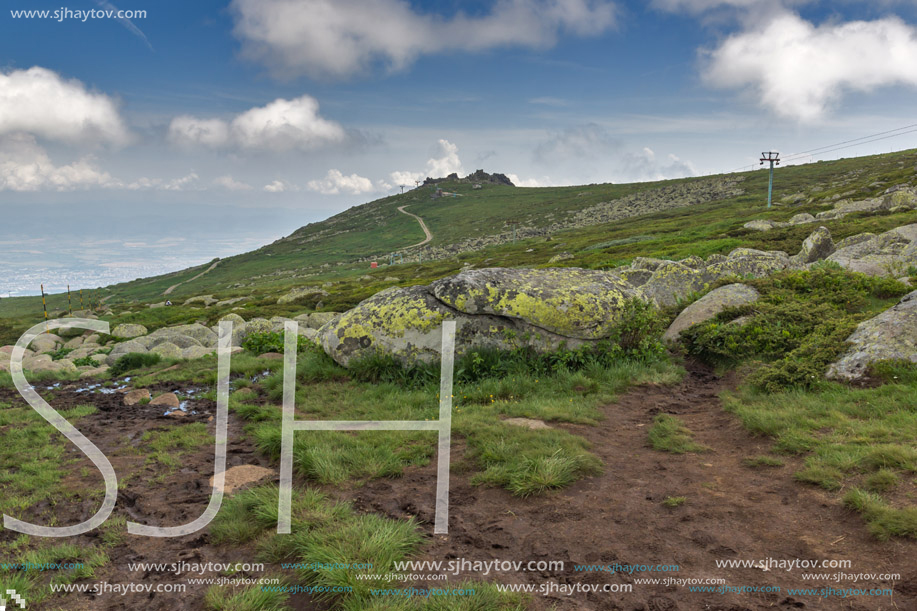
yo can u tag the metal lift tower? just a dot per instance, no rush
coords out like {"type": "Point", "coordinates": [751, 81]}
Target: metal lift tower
{"type": "Point", "coordinates": [772, 158]}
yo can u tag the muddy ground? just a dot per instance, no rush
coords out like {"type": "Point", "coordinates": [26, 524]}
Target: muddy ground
{"type": "Point", "coordinates": [731, 512]}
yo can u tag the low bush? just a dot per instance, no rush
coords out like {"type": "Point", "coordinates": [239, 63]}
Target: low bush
{"type": "Point", "coordinates": [272, 341]}
{"type": "Point", "coordinates": [133, 360]}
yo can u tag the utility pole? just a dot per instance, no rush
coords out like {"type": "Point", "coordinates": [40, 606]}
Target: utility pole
{"type": "Point", "coordinates": [402, 188]}
{"type": "Point", "coordinates": [772, 158]}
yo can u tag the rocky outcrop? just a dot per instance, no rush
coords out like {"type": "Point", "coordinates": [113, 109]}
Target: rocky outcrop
{"type": "Point", "coordinates": [887, 254]}
{"type": "Point", "coordinates": [890, 335]}
{"type": "Point", "coordinates": [301, 293]}
{"type": "Point", "coordinates": [708, 306]}
{"type": "Point", "coordinates": [496, 308]}
{"type": "Point", "coordinates": [816, 247]}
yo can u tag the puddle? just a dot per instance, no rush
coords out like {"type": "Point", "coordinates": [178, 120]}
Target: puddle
{"type": "Point", "coordinates": [260, 376]}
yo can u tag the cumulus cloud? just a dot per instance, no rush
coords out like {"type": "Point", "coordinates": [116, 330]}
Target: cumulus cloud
{"type": "Point", "coordinates": [644, 165]}
{"type": "Point", "coordinates": [26, 166]}
{"type": "Point", "coordinates": [530, 182]}
{"type": "Point", "coordinates": [279, 186]}
{"type": "Point", "coordinates": [444, 160]}
{"type": "Point", "coordinates": [339, 38]}
{"type": "Point", "coordinates": [231, 184]}
{"type": "Point", "coordinates": [39, 102]}
{"type": "Point", "coordinates": [335, 182]}
{"type": "Point", "coordinates": [799, 70]}
{"type": "Point", "coordinates": [181, 184]}
{"type": "Point", "coordinates": [280, 126]}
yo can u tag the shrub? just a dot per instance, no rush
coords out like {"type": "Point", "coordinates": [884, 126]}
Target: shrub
{"type": "Point", "coordinates": [272, 341]}
{"type": "Point", "coordinates": [797, 328]}
{"type": "Point", "coordinates": [86, 361]}
{"type": "Point", "coordinates": [133, 360]}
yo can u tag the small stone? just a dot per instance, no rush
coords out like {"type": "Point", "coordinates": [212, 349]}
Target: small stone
{"type": "Point", "coordinates": [168, 399]}
{"type": "Point", "coordinates": [136, 396]}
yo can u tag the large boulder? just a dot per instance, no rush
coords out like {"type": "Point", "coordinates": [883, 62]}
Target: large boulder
{"type": "Point", "coordinates": [671, 282]}
{"type": "Point", "coordinates": [750, 263]}
{"type": "Point", "coordinates": [801, 219]}
{"type": "Point", "coordinates": [46, 342]}
{"type": "Point", "coordinates": [887, 254]}
{"type": "Point", "coordinates": [708, 306]}
{"type": "Point", "coordinates": [490, 310]}
{"type": "Point", "coordinates": [571, 302]}
{"type": "Point", "coordinates": [167, 350]}
{"type": "Point", "coordinates": [128, 331]}
{"type": "Point", "coordinates": [301, 293]}
{"type": "Point", "coordinates": [196, 352]}
{"type": "Point", "coordinates": [890, 335]}
{"type": "Point", "coordinates": [816, 247]}
{"type": "Point", "coordinates": [123, 348]}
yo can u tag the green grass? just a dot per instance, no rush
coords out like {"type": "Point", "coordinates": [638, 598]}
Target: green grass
{"type": "Point", "coordinates": [32, 457]}
{"type": "Point", "coordinates": [251, 598]}
{"type": "Point", "coordinates": [849, 438]}
{"type": "Point", "coordinates": [34, 585]}
{"type": "Point", "coordinates": [674, 501]}
{"type": "Point", "coordinates": [669, 434]}
{"type": "Point", "coordinates": [762, 461]}
{"type": "Point", "coordinates": [522, 460]}
{"type": "Point", "coordinates": [323, 531]}
{"type": "Point", "coordinates": [884, 521]}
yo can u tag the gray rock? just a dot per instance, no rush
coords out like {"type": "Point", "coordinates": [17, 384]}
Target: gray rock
{"type": "Point", "coordinates": [671, 282]}
{"type": "Point", "coordinates": [124, 348]}
{"type": "Point", "coordinates": [129, 331]}
{"type": "Point", "coordinates": [708, 306]}
{"type": "Point", "coordinates": [233, 317]}
{"type": "Point", "coordinates": [301, 293]}
{"type": "Point", "coordinates": [760, 225]}
{"type": "Point", "coordinates": [167, 350]}
{"type": "Point", "coordinates": [890, 335]}
{"type": "Point", "coordinates": [46, 342]}
{"type": "Point", "coordinates": [801, 219]}
{"type": "Point", "coordinates": [816, 247]}
{"type": "Point", "coordinates": [196, 352]}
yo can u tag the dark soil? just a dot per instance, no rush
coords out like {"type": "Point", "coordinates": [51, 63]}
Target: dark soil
{"type": "Point", "coordinates": [731, 512]}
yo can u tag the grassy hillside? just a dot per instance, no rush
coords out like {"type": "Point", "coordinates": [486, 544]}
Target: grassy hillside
{"type": "Point", "coordinates": [593, 226]}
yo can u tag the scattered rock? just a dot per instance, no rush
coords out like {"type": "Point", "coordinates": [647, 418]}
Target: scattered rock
{"type": "Point", "coordinates": [167, 350]}
{"type": "Point", "coordinates": [301, 293]}
{"type": "Point", "coordinates": [564, 256]}
{"type": "Point", "coordinates": [168, 399]}
{"type": "Point", "coordinates": [890, 335]}
{"type": "Point", "coordinates": [528, 423]}
{"type": "Point", "coordinates": [242, 476]}
{"type": "Point", "coordinates": [129, 331]}
{"type": "Point", "coordinates": [708, 306]}
{"type": "Point", "coordinates": [801, 219]}
{"type": "Point", "coordinates": [136, 396]}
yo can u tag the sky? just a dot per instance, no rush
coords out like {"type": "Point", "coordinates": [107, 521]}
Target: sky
{"type": "Point", "coordinates": [140, 137]}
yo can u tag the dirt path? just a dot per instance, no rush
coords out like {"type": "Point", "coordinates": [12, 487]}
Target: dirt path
{"type": "Point", "coordinates": [731, 512]}
{"type": "Point", "coordinates": [423, 226]}
{"type": "Point", "coordinates": [175, 286]}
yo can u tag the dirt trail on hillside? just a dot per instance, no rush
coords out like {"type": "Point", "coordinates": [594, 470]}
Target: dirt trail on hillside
{"type": "Point", "coordinates": [423, 226]}
{"type": "Point", "coordinates": [731, 512]}
{"type": "Point", "coordinates": [175, 286]}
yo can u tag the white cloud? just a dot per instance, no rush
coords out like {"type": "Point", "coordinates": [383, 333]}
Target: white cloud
{"type": "Point", "coordinates": [700, 6]}
{"type": "Point", "coordinates": [544, 181]}
{"type": "Point", "coordinates": [335, 183]}
{"type": "Point", "coordinates": [644, 166]}
{"type": "Point", "coordinates": [339, 38]}
{"type": "Point", "coordinates": [26, 166]}
{"type": "Point", "coordinates": [39, 102]}
{"type": "Point", "coordinates": [231, 184]}
{"type": "Point", "coordinates": [799, 70]}
{"type": "Point", "coordinates": [186, 130]}
{"type": "Point", "coordinates": [181, 184]}
{"type": "Point", "coordinates": [444, 160]}
{"type": "Point", "coordinates": [279, 186]}
{"type": "Point", "coordinates": [408, 179]}
{"type": "Point", "coordinates": [280, 126]}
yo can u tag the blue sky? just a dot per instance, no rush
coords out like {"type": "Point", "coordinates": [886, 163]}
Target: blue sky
{"type": "Point", "coordinates": [205, 128]}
